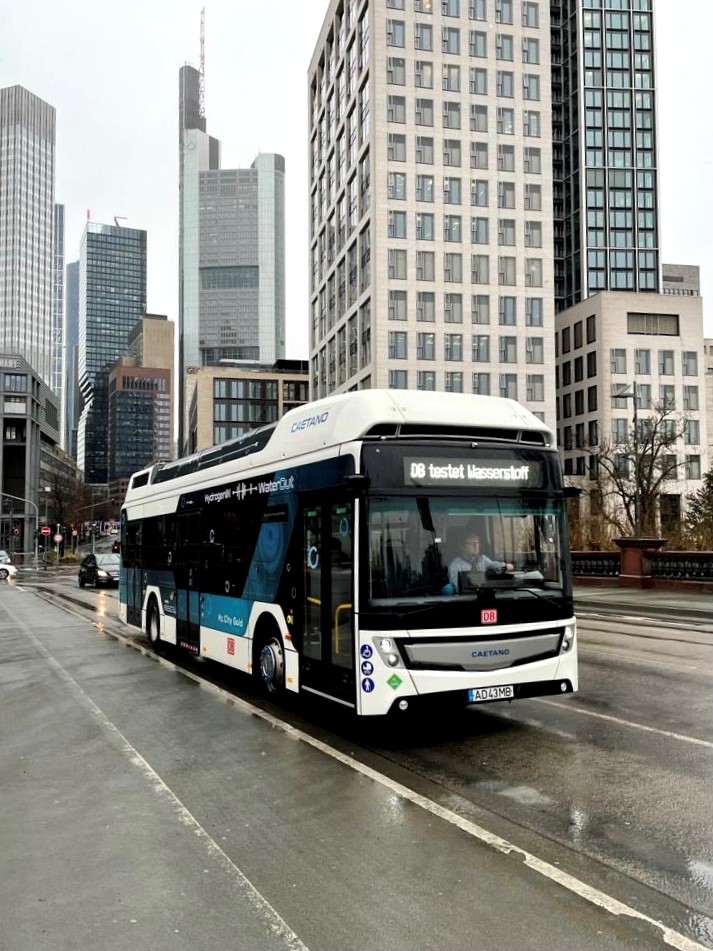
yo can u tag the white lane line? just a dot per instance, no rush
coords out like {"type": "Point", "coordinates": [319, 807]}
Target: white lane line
{"type": "Point", "coordinates": [263, 910]}
{"type": "Point", "coordinates": [634, 726]}
{"type": "Point", "coordinates": [593, 895]}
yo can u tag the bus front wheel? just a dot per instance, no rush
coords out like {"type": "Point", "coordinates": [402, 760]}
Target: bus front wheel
{"type": "Point", "coordinates": [271, 664]}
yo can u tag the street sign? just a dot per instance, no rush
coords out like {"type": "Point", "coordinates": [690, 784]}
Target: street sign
{"type": "Point", "coordinates": [58, 538]}
{"type": "Point", "coordinates": [74, 533]}
{"type": "Point", "coordinates": [45, 530]}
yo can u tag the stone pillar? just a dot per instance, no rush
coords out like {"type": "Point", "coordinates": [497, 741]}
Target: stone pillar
{"type": "Point", "coordinates": [633, 551]}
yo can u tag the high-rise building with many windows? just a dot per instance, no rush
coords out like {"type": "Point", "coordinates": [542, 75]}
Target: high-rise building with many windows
{"type": "Point", "coordinates": [27, 144]}
{"type": "Point", "coordinates": [72, 399]}
{"type": "Point", "coordinates": [112, 298]}
{"type": "Point", "coordinates": [231, 251]}
{"type": "Point", "coordinates": [605, 153]}
{"type": "Point", "coordinates": [57, 372]}
{"type": "Point", "coordinates": [430, 189]}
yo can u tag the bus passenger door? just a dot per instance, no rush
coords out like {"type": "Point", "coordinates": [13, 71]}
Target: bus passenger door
{"type": "Point", "coordinates": [327, 661]}
{"type": "Point", "coordinates": [187, 581]}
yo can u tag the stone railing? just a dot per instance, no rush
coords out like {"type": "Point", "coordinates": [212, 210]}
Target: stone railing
{"type": "Point", "coordinates": [595, 564]}
{"type": "Point", "coordinates": [641, 563]}
{"type": "Point", "coordinates": [680, 565]}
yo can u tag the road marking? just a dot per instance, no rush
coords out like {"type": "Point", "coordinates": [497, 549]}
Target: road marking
{"type": "Point", "coordinates": [260, 905]}
{"type": "Point", "coordinates": [635, 726]}
{"type": "Point", "coordinates": [592, 895]}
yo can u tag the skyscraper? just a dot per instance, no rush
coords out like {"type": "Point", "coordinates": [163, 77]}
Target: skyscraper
{"type": "Point", "coordinates": [231, 250]}
{"type": "Point", "coordinates": [605, 154]}
{"type": "Point", "coordinates": [71, 373]}
{"type": "Point", "coordinates": [57, 377]}
{"type": "Point", "coordinates": [27, 140]}
{"type": "Point", "coordinates": [112, 298]}
{"type": "Point", "coordinates": [430, 192]}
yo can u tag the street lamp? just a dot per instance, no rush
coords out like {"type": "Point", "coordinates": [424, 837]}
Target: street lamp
{"type": "Point", "coordinates": [629, 393]}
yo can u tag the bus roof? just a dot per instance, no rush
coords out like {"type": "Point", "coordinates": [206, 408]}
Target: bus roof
{"type": "Point", "coordinates": [348, 417]}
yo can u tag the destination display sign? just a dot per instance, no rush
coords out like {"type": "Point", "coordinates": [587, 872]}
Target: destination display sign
{"type": "Point", "coordinates": [503, 472]}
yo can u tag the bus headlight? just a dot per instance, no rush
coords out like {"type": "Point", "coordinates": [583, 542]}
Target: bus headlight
{"type": "Point", "coordinates": [567, 639]}
{"type": "Point", "coordinates": [388, 651]}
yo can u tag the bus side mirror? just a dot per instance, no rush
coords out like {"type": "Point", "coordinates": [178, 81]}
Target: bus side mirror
{"type": "Point", "coordinates": [359, 482]}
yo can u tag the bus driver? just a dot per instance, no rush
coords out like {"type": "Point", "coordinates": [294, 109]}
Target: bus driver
{"type": "Point", "coordinates": [470, 558]}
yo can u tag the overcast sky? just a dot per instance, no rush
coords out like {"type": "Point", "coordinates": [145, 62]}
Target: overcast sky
{"type": "Point", "coordinates": [111, 72]}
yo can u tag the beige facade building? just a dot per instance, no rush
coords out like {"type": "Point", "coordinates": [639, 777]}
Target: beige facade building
{"type": "Point", "coordinates": [606, 345]}
{"type": "Point", "coordinates": [430, 189]}
{"type": "Point", "coordinates": [708, 371]}
{"type": "Point", "coordinates": [230, 401]}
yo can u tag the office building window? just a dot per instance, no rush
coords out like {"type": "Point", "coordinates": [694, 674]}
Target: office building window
{"type": "Point", "coordinates": [453, 347]}
{"type": "Point", "coordinates": [426, 380]}
{"type": "Point", "coordinates": [398, 305]}
{"type": "Point", "coordinates": [424, 150]}
{"type": "Point", "coordinates": [454, 381]}
{"type": "Point", "coordinates": [533, 312]}
{"type": "Point", "coordinates": [535, 386]}
{"type": "Point", "coordinates": [481, 384]}
{"type": "Point", "coordinates": [508, 385]}
{"type": "Point", "coordinates": [480, 309]}
{"type": "Point", "coordinates": [426, 346]}
{"type": "Point", "coordinates": [398, 344]}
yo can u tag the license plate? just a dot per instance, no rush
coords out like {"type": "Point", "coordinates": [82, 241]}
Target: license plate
{"type": "Point", "coordinates": [482, 694]}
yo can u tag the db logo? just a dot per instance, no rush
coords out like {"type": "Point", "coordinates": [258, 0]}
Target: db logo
{"type": "Point", "coordinates": [489, 617]}
{"type": "Point", "coordinates": [231, 646]}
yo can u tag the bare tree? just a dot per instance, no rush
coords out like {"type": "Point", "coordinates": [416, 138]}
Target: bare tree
{"type": "Point", "coordinates": [631, 473]}
{"type": "Point", "coordinates": [699, 515]}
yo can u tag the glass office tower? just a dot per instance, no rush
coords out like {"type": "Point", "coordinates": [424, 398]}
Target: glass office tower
{"type": "Point", "coordinates": [605, 154]}
{"type": "Point", "coordinates": [27, 144]}
{"type": "Point", "coordinates": [112, 298]}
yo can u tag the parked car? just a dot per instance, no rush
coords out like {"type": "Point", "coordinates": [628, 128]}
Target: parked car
{"type": "Point", "coordinates": [7, 571]}
{"type": "Point", "coordinates": [99, 569]}
{"type": "Point", "coordinates": [4, 558]}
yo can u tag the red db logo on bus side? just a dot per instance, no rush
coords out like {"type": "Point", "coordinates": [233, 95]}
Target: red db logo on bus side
{"type": "Point", "coordinates": [489, 617]}
{"type": "Point", "coordinates": [231, 646]}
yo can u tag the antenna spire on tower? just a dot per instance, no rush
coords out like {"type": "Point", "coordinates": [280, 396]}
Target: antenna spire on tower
{"type": "Point", "coordinates": [201, 80]}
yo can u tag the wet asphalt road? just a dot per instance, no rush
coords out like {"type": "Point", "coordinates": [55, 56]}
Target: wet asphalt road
{"type": "Point", "coordinates": [613, 785]}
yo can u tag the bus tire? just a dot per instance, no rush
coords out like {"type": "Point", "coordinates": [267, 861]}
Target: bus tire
{"type": "Point", "coordinates": [153, 625]}
{"type": "Point", "coordinates": [270, 662]}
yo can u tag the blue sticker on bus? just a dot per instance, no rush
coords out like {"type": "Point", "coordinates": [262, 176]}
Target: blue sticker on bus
{"type": "Point", "coordinates": [366, 651]}
{"type": "Point", "coordinates": [229, 615]}
{"type": "Point", "coordinates": [367, 685]}
{"type": "Point", "coordinates": [367, 668]}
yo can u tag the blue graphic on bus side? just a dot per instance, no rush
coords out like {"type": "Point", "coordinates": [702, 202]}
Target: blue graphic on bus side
{"type": "Point", "coordinates": [366, 651]}
{"type": "Point", "coordinates": [367, 685]}
{"type": "Point", "coordinates": [367, 668]}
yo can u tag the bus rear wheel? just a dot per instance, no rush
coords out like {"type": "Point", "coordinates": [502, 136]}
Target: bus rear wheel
{"type": "Point", "coordinates": [153, 626]}
{"type": "Point", "coordinates": [271, 664]}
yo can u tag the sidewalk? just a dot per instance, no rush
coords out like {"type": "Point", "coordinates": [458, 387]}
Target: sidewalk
{"type": "Point", "coordinates": [652, 602]}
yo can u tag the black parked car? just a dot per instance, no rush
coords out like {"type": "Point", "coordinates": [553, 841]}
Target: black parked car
{"type": "Point", "coordinates": [99, 570]}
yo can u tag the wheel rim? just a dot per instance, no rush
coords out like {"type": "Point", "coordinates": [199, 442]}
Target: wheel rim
{"type": "Point", "coordinates": [3, 573]}
{"type": "Point", "coordinates": [272, 665]}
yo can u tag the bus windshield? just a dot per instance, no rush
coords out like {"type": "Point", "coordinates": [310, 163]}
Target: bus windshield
{"type": "Point", "coordinates": [429, 547]}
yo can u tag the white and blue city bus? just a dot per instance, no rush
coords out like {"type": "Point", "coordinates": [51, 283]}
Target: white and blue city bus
{"type": "Point", "coordinates": [314, 553]}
